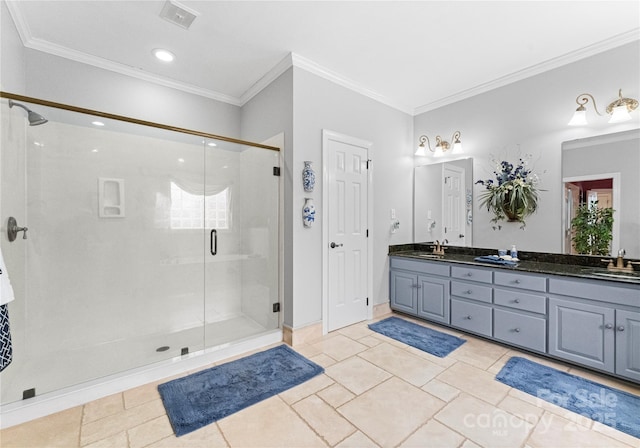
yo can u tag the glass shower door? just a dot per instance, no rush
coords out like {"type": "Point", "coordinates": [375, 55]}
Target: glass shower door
{"type": "Point", "coordinates": [241, 264]}
{"type": "Point", "coordinates": [110, 276]}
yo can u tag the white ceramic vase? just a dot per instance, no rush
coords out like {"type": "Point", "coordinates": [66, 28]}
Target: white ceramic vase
{"type": "Point", "coordinates": [308, 212]}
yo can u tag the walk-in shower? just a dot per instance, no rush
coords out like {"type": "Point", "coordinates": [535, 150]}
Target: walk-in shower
{"type": "Point", "coordinates": [145, 244]}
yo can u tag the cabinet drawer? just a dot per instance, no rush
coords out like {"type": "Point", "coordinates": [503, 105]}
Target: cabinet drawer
{"type": "Point", "coordinates": [421, 267]}
{"type": "Point", "coordinates": [523, 281]}
{"type": "Point", "coordinates": [604, 291]}
{"type": "Point", "coordinates": [525, 331]}
{"type": "Point", "coordinates": [475, 274]}
{"type": "Point", "coordinates": [471, 291]}
{"type": "Point", "coordinates": [520, 300]}
{"type": "Point", "coordinates": [470, 316]}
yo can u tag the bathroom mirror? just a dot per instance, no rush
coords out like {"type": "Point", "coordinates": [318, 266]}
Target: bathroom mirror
{"type": "Point", "coordinates": [606, 169]}
{"type": "Point", "coordinates": [443, 202]}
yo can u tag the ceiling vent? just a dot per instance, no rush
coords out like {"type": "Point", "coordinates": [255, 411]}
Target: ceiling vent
{"type": "Point", "coordinates": [178, 14]}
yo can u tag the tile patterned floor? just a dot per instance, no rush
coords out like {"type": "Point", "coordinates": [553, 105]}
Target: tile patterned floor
{"type": "Point", "coordinates": [375, 392]}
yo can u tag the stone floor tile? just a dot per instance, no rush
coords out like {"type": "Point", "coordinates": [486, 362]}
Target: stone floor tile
{"type": "Point", "coordinates": [521, 409]}
{"type": "Point", "coordinates": [305, 389]}
{"type": "Point", "coordinates": [370, 341]}
{"type": "Point", "coordinates": [475, 381]}
{"type": "Point", "coordinates": [61, 429]}
{"type": "Point", "coordinates": [336, 395]}
{"type": "Point", "coordinates": [499, 364]}
{"type": "Point", "coordinates": [553, 408]}
{"type": "Point", "coordinates": [323, 360]}
{"type": "Point", "coordinates": [357, 374]}
{"type": "Point", "coordinates": [484, 423]}
{"type": "Point", "coordinates": [391, 411]}
{"type": "Point", "coordinates": [119, 440]}
{"type": "Point", "coordinates": [616, 434]}
{"type": "Point", "coordinates": [340, 347]}
{"type": "Point", "coordinates": [413, 369]}
{"type": "Point", "coordinates": [149, 432]}
{"type": "Point", "coordinates": [143, 394]}
{"type": "Point", "coordinates": [554, 431]}
{"type": "Point", "coordinates": [357, 331]}
{"type": "Point", "coordinates": [122, 421]}
{"type": "Point", "coordinates": [446, 361]}
{"type": "Point", "coordinates": [270, 423]}
{"type": "Point", "coordinates": [103, 407]}
{"type": "Point", "coordinates": [441, 390]}
{"type": "Point", "coordinates": [479, 353]}
{"type": "Point", "coordinates": [324, 419]}
{"type": "Point", "coordinates": [357, 440]}
{"type": "Point", "coordinates": [206, 437]}
{"type": "Point", "coordinates": [433, 435]}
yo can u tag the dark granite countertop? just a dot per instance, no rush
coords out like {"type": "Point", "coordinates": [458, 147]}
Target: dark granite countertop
{"type": "Point", "coordinates": [533, 262]}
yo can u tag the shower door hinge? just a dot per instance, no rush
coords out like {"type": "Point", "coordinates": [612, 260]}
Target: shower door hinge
{"type": "Point", "coordinates": [367, 301]}
{"type": "Point", "coordinates": [276, 170]}
{"type": "Point", "coordinates": [367, 233]}
{"type": "Point", "coordinates": [276, 307]}
{"type": "Point", "coordinates": [368, 162]}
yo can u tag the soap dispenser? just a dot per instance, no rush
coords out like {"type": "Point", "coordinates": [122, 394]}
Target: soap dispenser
{"type": "Point", "coordinates": [514, 251]}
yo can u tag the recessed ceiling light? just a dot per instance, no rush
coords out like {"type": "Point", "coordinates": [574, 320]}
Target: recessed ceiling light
{"type": "Point", "coordinates": [211, 144]}
{"type": "Point", "coordinates": [181, 160]}
{"type": "Point", "coordinates": [97, 123]}
{"type": "Point", "coordinates": [163, 55]}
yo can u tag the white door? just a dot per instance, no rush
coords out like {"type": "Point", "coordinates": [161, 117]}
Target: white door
{"type": "Point", "coordinates": [453, 205]}
{"type": "Point", "coordinates": [346, 209]}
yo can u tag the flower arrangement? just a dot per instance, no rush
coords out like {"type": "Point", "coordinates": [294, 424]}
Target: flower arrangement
{"type": "Point", "coordinates": [513, 195]}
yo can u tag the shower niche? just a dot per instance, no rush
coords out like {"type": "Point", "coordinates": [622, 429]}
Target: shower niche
{"type": "Point", "coordinates": [110, 198]}
{"type": "Point", "coordinates": [106, 289]}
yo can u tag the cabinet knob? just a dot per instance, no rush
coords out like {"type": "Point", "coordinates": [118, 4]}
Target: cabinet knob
{"type": "Point", "coordinates": [620, 327]}
{"type": "Point", "coordinates": [517, 330]}
{"type": "Point", "coordinates": [516, 301]}
{"type": "Point", "coordinates": [608, 326]}
{"type": "Point", "coordinates": [468, 274]}
{"type": "Point", "coordinates": [516, 281]}
{"type": "Point", "coordinates": [468, 291]}
{"type": "Point", "coordinates": [468, 317]}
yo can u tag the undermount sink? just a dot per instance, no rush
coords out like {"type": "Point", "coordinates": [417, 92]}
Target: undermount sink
{"type": "Point", "coordinates": [426, 255]}
{"type": "Point", "coordinates": [632, 276]}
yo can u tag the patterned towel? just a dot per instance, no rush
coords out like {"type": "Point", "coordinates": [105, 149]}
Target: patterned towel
{"type": "Point", "coordinates": [6, 352]}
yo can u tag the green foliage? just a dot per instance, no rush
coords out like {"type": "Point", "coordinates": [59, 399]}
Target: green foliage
{"type": "Point", "coordinates": [592, 228]}
{"type": "Point", "coordinates": [513, 201]}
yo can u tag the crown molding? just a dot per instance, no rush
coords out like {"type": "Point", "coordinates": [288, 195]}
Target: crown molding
{"type": "Point", "coordinates": [317, 69]}
{"type": "Point", "coordinates": [58, 50]}
{"type": "Point", "coordinates": [574, 56]}
{"type": "Point", "coordinates": [277, 70]}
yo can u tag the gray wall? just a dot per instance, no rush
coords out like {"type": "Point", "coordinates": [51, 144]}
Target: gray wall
{"type": "Point", "coordinates": [320, 104]}
{"type": "Point", "coordinates": [530, 116]}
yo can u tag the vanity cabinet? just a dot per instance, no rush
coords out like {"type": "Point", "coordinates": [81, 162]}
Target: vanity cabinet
{"type": "Point", "coordinates": [628, 344]}
{"type": "Point", "coordinates": [593, 323]}
{"type": "Point", "coordinates": [596, 325]}
{"type": "Point", "coordinates": [421, 289]}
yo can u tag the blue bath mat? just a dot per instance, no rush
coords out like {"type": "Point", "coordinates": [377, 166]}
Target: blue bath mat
{"type": "Point", "coordinates": [205, 397]}
{"type": "Point", "coordinates": [423, 338]}
{"type": "Point", "coordinates": [609, 406]}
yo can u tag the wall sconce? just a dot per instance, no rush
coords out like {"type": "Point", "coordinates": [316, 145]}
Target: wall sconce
{"type": "Point", "coordinates": [619, 109]}
{"type": "Point", "coordinates": [441, 145]}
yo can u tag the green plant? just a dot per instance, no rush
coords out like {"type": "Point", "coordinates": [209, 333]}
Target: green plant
{"type": "Point", "coordinates": [592, 227]}
{"type": "Point", "coordinates": [513, 196]}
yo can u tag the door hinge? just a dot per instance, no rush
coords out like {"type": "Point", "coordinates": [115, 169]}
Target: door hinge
{"type": "Point", "coordinates": [276, 307]}
{"type": "Point", "coordinates": [367, 301]}
{"type": "Point", "coordinates": [276, 170]}
{"type": "Point", "coordinates": [368, 162]}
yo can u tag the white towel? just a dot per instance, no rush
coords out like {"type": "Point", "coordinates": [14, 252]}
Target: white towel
{"type": "Point", "coordinates": [6, 291]}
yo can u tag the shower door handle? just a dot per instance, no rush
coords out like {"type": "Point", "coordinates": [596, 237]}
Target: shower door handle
{"type": "Point", "coordinates": [213, 248]}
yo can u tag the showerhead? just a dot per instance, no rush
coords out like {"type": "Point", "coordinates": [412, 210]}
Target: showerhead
{"type": "Point", "coordinates": [34, 118]}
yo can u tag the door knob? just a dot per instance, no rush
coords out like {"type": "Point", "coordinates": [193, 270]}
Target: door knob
{"type": "Point", "coordinates": [461, 236]}
{"type": "Point", "coordinates": [334, 245]}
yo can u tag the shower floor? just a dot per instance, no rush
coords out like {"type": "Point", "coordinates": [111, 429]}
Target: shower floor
{"type": "Point", "coordinates": [64, 369]}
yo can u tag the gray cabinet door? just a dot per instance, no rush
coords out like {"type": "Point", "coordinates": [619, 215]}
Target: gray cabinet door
{"type": "Point", "coordinates": [582, 333]}
{"type": "Point", "coordinates": [433, 298]}
{"type": "Point", "coordinates": [628, 344]}
{"type": "Point", "coordinates": [403, 290]}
